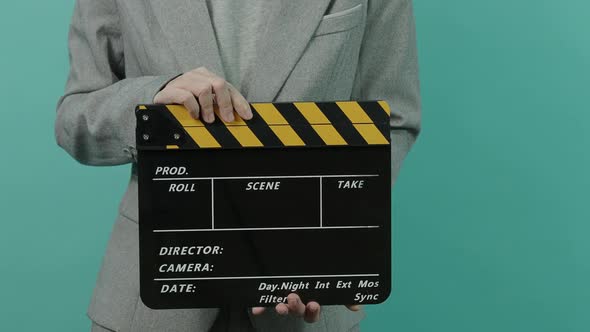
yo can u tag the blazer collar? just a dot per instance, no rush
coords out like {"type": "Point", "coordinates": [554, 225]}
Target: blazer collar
{"type": "Point", "coordinates": [289, 29]}
{"type": "Point", "coordinates": [285, 34]}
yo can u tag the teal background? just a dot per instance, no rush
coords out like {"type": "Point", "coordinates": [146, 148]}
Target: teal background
{"type": "Point", "coordinates": [491, 212]}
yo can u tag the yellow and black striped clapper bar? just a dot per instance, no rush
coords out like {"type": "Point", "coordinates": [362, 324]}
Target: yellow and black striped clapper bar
{"type": "Point", "coordinates": [298, 124]}
{"type": "Point", "coordinates": [297, 199]}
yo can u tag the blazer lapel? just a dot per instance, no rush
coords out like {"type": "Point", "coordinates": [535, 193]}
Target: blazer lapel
{"type": "Point", "coordinates": [289, 28]}
{"type": "Point", "coordinates": [190, 34]}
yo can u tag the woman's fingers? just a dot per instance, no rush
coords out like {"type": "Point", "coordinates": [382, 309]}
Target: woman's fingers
{"type": "Point", "coordinates": [240, 103]}
{"type": "Point", "coordinates": [282, 309]}
{"type": "Point", "coordinates": [226, 109]}
{"type": "Point", "coordinates": [296, 307]}
{"type": "Point", "coordinates": [258, 310]}
{"type": "Point", "coordinates": [206, 101]}
{"type": "Point", "coordinates": [312, 312]}
{"type": "Point", "coordinates": [354, 307]}
{"type": "Point", "coordinates": [203, 85]}
{"type": "Point", "coordinates": [179, 96]}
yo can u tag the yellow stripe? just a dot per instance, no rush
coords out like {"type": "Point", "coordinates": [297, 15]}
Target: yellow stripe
{"type": "Point", "coordinates": [240, 130]}
{"type": "Point", "coordinates": [245, 136]}
{"type": "Point", "coordinates": [278, 124]}
{"type": "Point", "coordinates": [354, 112]}
{"type": "Point", "coordinates": [287, 135]}
{"type": "Point", "coordinates": [238, 121]}
{"type": "Point", "coordinates": [182, 115]}
{"type": "Point", "coordinates": [385, 106]}
{"type": "Point", "coordinates": [312, 113]}
{"type": "Point", "coordinates": [172, 147]}
{"type": "Point", "coordinates": [142, 107]}
{"type": "Point", "coordinates": [371, 134]}
{"type": "Point", "coordinates": [329, 134]}
{"type": "Point", "coordinates": [270, 114]}
{"type": "Point", "coordinates": [202, 137]}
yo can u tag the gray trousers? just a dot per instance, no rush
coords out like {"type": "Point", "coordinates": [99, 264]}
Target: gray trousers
{"type": "Point", "coordinates": [218, 327]}
{"type": "Point", "coordinates": [228, 320]}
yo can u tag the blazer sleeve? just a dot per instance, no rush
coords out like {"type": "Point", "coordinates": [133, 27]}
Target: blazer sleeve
{"type": "Point", "coordinates": [388, 70]}
{"type": "Point", "coordinates": [95, 120]}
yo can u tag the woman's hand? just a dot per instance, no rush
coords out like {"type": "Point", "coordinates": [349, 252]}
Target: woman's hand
{"type": "Point", "coordinates": [208, 88]}
{"type": "Point", "coordinates": [310, 311]}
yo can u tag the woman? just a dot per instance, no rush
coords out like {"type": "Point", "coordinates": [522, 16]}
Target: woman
{"type": "Point", "coordinates": [128, 52]}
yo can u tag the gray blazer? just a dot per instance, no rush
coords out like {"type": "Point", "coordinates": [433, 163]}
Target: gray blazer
{"type": "Point", "coordinates": [123, 51]}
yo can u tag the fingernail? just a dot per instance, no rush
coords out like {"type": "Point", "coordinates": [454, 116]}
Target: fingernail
{"type": "Point", "coordinates": [230, 117]}
{"type": "Point", "coordinates": [249, 111]}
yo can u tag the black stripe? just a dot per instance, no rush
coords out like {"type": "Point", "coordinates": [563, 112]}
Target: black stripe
{"type": "Point", "coordinates": [261, 130]}
{"type": "Point", "coordinates": [222, 134]}
{"type": "Point", "coordinates": [300, 124]}
{"type": "Point", "coordinates": [377, 115]}
{"type": "Point", "coordinates": [342, 124]}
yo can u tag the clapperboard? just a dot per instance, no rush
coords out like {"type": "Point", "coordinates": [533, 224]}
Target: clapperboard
{"type": "Point", "coordinates": [244, 213]}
